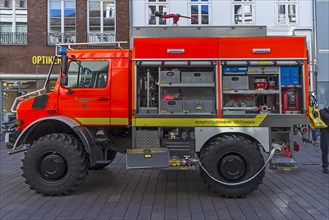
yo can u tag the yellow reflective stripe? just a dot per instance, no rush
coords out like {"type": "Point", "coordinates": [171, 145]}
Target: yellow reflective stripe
{"type": "Point", "coordinates": [94, 121]}
{"type": "Point", "coordinates": [103, 121]}
{"type": "Point", "coordinates": [119, 121]}
{"type": "Point", "coordinates": [200, 122]}
{"type": "Point", "coordinates": [189, 122]}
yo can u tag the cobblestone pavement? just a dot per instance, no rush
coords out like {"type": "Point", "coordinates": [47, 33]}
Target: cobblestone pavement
{"type": "Point", "coordinates": [117, 193]}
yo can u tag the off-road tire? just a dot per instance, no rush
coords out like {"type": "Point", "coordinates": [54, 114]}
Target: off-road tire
{"type": "Point", "coordinates": [55, 165]}
{"type": "Point", "coordinates": [224, 158]}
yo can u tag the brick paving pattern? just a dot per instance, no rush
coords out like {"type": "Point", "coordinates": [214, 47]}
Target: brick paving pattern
{"type": "Point", "coordinates": [117, 193]}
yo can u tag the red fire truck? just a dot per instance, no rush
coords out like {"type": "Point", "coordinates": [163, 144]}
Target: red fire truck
{"type": "Point", "coordinates": [216, 104]}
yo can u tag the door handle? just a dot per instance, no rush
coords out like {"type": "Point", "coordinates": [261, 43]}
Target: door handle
{"type": "Point", "coordinates": [103, 99]}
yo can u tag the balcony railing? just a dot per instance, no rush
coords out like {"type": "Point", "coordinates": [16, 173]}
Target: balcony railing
{"type": "Point", "coordinates": [13, 38]}
{"type": "Point", "coordinates": [55, 38]}
{"type": "Point", "coordinates": [101, 37]}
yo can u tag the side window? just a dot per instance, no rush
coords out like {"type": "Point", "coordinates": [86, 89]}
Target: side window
{"type": "Point", "coordinates": [88, 74]}
{"type": "Point", "coordinates": [101, 80]}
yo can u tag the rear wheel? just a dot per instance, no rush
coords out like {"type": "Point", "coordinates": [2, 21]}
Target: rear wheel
{"type": "Point", "coordinates": [232, 159]}
{"type": "Point", "coordinates": [55, 165]}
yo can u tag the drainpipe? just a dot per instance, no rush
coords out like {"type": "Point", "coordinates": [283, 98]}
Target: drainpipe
{"type": "Point", "coordinates": [24, 76]}
{"type": "Point", "coordinates": [1, 107]}
{"type": "Point", "coordinates": [313, 64]}
{"type": "Point", "coordinates": [313, 61]}
{"type": "Point", "coordinates": [13, 27]}
{"type": "Point", "coordinates": [315, 49]}
{"type": "Point", "coordinates": [130, 24]}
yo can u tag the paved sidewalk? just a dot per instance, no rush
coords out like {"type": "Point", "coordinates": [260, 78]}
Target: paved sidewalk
{"type": "Point", "coordinates": [117, 193]}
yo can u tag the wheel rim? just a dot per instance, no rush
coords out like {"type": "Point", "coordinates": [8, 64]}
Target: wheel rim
{"type": "Point", "coordinates": [52, 166]}
{"type": "Point", "coordinates": [232, 167]}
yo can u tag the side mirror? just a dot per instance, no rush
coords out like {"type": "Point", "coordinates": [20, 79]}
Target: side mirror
{"type": "Point", "coordinates": [64, 80]}
{"type": "Point", "coordinates": [64, 64]}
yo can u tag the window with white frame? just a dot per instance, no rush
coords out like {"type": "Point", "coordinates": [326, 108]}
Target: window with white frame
{"type": "Point", "coordinates": [199, 10]}
{"type": "Point", "coordinates": [22, 4]}
{"type": "Point", "coordinates": [61, 21]}
{"type": "Point", "coordinates": [153, 7]}
{"type": "Point", "coordinates": [286, 12]}
{"type": "Point", "coordinates": [6, 3]}
{"type": "Point", "coordinates": [243, 12]}
{"type": "Point", "coordinates": [101, 20]}
{"type": "Point", "coordinates": [13, 22]}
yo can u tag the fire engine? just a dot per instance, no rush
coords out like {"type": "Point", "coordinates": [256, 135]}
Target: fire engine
{"type": "Point", "coordinates": [217, 104]}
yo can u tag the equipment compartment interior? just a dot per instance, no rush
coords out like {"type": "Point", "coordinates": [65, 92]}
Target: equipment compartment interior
{"type": "Point", "coordinates": [176, 90]}
{"type": "Point", "coordinates": [267, 89]}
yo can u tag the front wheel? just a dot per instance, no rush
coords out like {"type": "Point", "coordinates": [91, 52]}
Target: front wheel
{"type": "Point", "coordinates": [55, 165]}
{"type": "Point", "coordinates": [232, 159]}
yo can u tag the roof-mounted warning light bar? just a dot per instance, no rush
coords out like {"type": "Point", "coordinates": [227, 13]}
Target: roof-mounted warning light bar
{"type": "Point", "coordinates": [68, 46]}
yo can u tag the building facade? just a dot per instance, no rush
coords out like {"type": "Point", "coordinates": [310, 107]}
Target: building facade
{"type": "Point", "coordinates": [281, 17]}
{"type": "Point", "coordinates": [29, 31]}
{"type": "Point", "coordinates": [322, 30]}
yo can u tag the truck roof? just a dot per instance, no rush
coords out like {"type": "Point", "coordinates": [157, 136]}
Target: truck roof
{"type": "Point", "coordinates": [99, 53]}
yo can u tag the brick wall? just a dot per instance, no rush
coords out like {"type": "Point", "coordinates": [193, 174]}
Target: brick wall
{"type": "Point", "coordinates": [18, 58]}
{"type": "Point", "coordinates": [122, 24]}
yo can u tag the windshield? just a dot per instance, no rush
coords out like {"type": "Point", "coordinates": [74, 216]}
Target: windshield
{"type": "Point", "coordinates": [87, 74]}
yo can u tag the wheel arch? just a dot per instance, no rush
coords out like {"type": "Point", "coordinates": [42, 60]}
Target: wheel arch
{"type": "Point", "coordinates": [58, 124]}
{"type": "Point", "coordinates": [259, 135]}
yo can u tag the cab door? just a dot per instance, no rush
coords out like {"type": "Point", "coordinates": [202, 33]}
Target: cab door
{"type": "Point", "coordinates": [86, 98]}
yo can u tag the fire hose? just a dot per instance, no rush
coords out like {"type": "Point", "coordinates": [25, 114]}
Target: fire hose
{"type": "Point", "coordinates": [275, 147]}
{"type": "Point", "coordinates": [175, 17]}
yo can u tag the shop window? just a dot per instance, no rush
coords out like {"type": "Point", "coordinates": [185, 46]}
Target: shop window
{"type": "Point", "coordinates": [243, 12]}
{"type": "Point", "coordinates": [61, 21]}
{"type": "Point", "coordinates": [101, 21]}
{"type": "Point", "coordinates": [12, 89]}
{"type": "Point", "coordinates": [153, 7]}
{"type": "Point", "coordinates": [51, 85]}
{"type": "Point", "coordinates": [199, 10]}
{"type": "Point", "coordinates": [286, 12]}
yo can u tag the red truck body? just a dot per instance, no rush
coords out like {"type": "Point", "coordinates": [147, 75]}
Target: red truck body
{"type": "Point", "coordinates": [169, 102]}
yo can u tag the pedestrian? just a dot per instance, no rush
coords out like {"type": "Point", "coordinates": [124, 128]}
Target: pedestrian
{"type": "Point", "coordinates": [314, 136]}
{"type": "Point", "coordinates": [324, 114]}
